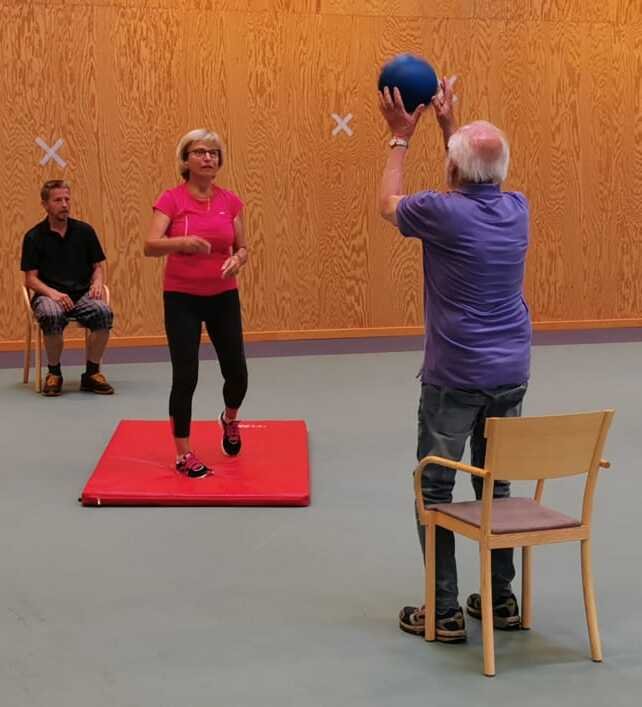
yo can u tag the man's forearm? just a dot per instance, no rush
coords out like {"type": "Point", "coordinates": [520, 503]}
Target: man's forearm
{"type": "Point", "coordinates": [448, 128]}
{"type": "Point", "coordinates": [392, 179]}
{"type": "Point", "coordinates": [97, 276]}
{"type": "Point", "coordinates": [34, 283]}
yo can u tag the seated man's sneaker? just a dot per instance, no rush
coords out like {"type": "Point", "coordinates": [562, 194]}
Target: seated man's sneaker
{"type": "Point", "coordinates": [95, 383]}
{"type": "Point", "coordinates": [449, 626]}
{"type": "Point", "coordinates": [505, 611]}
{"type": "Point", "coordinates": [53, 385]}
{"type": "Point", "coordinates": [231, 436]}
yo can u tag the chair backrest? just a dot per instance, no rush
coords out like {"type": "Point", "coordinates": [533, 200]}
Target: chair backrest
{"type": "Point", "coordinates": [26, 298]}
{"type": "Point", "coordinates": [530, 448]}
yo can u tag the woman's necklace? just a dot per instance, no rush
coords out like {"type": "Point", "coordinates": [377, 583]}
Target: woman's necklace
{"type": "Point", "coordinates": [203, 199]}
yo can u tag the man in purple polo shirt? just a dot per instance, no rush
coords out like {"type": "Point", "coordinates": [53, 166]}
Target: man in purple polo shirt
{"type": "Point", "coordinates": [477, 327]}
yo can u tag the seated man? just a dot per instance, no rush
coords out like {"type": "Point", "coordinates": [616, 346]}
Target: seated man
{"type": "Point", "coordinates": [62, 261]}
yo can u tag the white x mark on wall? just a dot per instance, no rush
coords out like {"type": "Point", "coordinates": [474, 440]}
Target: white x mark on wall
{"type": "Point", "coordinates": [342, 124]}
{"type": "Point", "coordinates": [51, 153]}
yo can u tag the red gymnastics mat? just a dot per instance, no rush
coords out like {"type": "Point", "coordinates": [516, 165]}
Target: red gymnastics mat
{"type": "Point", "coordinates": [137, 467]}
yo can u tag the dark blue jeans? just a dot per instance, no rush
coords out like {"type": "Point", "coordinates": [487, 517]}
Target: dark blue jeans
{"type": "Point", "coordinates": [447, 418]}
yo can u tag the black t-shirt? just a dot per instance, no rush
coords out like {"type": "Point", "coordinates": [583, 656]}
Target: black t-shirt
{"type": "Point", "coordinates": [66, 264]}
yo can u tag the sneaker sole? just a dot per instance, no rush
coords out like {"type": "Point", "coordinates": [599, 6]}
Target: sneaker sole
{"type": "Point", "coordinates": [194, 478]}
{"type": "Point", "coordinates": [228, 454]}
{"type": "Point", "coordinates": [413, 630]}
{"type": "Point", "coordinates": [441, 635]}
{"type": "Point", "coordinates": [512, 623]}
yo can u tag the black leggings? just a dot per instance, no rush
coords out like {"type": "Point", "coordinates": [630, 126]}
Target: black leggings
{"type": "Point", "coordinates": [184, 315]}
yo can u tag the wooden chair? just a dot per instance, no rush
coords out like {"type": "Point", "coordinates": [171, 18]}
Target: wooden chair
{"type": "Point", "coordinates": [34, 334]}
{"type": "Point", "coordinates": [522, 448]}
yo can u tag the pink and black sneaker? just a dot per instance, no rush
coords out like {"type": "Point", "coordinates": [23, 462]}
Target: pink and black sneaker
{"type": "Point", "coordinates": [231, 436]}
{"type": "Point", "coordinates": [191, 466]}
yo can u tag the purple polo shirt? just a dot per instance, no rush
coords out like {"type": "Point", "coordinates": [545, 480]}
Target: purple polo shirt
{"type": "Point", "coordinates": [478, 329]}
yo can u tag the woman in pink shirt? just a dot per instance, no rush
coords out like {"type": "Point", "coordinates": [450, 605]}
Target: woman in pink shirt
{"type": "Point", "coordinates": [199, 227]}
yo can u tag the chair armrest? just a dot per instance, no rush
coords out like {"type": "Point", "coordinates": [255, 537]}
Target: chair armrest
{"type": "Point", "coordinates": [419, 472]}
{"type": "Point", "coordinates": [459, 466]}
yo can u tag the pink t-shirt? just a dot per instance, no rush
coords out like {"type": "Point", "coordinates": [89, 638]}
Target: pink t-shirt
{"type": "Point", "coordinates": [213, 220]}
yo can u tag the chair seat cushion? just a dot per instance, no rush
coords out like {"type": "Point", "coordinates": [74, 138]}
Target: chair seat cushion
{"type": "Point", "coordinates": [509, 515]}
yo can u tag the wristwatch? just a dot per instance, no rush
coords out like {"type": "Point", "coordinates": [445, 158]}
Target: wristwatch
{"type": "Point", "coordinates": [399, 142]}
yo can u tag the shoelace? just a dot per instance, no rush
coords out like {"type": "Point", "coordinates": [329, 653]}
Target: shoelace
{"type": "Point", "coordinates": [232, 431]}
{"type": "Point", "coordinates": [190, 462]}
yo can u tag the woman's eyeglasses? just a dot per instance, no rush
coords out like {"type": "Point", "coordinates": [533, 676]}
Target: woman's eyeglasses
{"type": "Point", "coordinates": [200, 153]}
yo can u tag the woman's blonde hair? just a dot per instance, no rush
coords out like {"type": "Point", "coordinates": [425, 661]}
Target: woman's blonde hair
{"type": "Point", "coordinates": [198, 135]}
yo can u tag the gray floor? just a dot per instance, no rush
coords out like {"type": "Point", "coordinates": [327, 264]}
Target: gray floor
{"type": "Point", "coordinates": [198, 607]}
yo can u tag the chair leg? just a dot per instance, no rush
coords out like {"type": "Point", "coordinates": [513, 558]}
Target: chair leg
{"type": "Point", "coordinates": [527, 583]}
{"type": "Point", "coordinates": [488, 639]}
{"type": "Point", "coordinates": [27, 354]}
{"type": "Point", "coordinates": [38, 361]}
{"type": "Point", "coordinates": [429, 561]}
{"type": "Point", "coordinates": [589, 602]}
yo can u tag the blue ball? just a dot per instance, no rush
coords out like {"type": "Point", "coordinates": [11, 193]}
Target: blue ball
{"type": "Point", "coordinates": [414, 77]}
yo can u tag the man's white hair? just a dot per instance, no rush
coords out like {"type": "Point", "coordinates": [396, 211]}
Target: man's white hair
{"type": "Point", "coordinates": [480, 152]}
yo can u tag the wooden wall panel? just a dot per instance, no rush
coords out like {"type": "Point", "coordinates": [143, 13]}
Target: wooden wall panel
{"type": "Point", "coordinates": [621, 11]}
{"type": "Point", "coordinates": [560, 76]}
{"type": "Point", "coordinates": [549, 10]}
{"type": "Point", "coordinates": [341, 188]}
{"type": "Point", "coordinates": [624, 236]}
{"type": "Point", "coordinates": [258, 127]}
{"type": "Point", "coordinates": [281, 6]}
{"type": "Point", "coordinates": [600, 157]}
{"type": "Point", "coordinates": [629, 11]}
{"type": "Point", "coordinates": [555, 192]}
{"type": "Point", "coordinates": [577, 10]}
{"type": "Point", "coordinates": [399, 8]}
{"type": "Point", "coordinates": [142, 97]}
